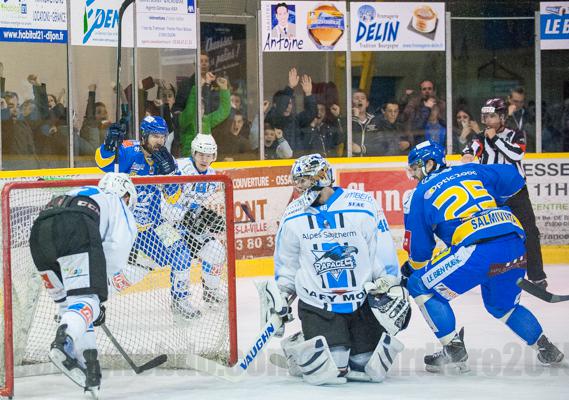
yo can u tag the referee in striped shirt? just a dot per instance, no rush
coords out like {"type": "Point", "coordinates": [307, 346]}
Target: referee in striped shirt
{"type": "Point", "coordinates": [500, 145]}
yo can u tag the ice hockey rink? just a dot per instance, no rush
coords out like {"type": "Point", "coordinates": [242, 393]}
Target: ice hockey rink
{"type": "Point", "coordinates": [501, 365]}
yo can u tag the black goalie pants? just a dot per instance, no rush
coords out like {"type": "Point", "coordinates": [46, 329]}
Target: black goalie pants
{"type": "Point", "coordinates": [60, 234]}
{"type": "Point", "coordinates": [359, 331]}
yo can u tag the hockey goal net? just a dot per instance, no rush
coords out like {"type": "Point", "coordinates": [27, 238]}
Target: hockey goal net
{"type": "Point", "coordinates": [195, 232]}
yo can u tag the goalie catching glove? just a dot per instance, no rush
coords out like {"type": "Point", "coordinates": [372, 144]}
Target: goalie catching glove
{"type": "Point", "coordinates": [389, 303]}
{"type": "Point", "coordinates": [274, 301]}
{"type": "Point", "coordinates": [202, 220]}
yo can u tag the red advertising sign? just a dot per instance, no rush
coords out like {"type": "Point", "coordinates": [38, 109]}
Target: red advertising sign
{"type": "Point", "coordinates": [387, 186]}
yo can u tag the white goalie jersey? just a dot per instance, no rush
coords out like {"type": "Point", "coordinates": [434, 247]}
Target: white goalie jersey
{"type": "Point", "coordinates": [326, 253]}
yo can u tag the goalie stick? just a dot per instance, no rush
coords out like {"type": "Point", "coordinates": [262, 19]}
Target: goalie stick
{"type": "Point", "coordinates": [238, 371]}
{"type": "Point", "coordinates": [541, 293]}
{"type": "Point", "coordinates": [155, 362]}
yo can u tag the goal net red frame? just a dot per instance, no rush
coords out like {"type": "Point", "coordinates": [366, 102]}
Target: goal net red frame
{"type": "Point", "coordinates": [142, 317]}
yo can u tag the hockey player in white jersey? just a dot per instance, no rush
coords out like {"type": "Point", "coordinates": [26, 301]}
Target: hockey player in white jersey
{"type": "Point", "coordinates": [200, 225]}
{"type": "Point", "coordinates": [80, 245]}
{"type": "Point", "coordinates": [335, 252]}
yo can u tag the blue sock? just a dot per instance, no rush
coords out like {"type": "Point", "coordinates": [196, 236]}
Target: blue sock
{"type": "Point", "coordinates": [441, 315]}
{"type": "Point", "coordinates": [524, 324]}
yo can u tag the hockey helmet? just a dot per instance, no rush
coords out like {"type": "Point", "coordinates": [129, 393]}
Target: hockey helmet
{"type": "Point", "coordinates": [494, 105]}
{"type": "Point", "coordinates": [204, 143]}
{"type": "Point", "coordinates": [312, 172]}
{"type": "Point", "coordinates": [423, 152]}
{"type": "Point", "coordinates": [119, 184]}
{"type": "Point", "coordinates": [153, 125]}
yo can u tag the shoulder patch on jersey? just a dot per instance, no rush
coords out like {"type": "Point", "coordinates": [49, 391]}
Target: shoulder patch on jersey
{"type": "Point", "coordinates": [295, 207]}
{"type": "Point", "coordinates": [358, 196]}
{"type": "Point", "coordinates": [407, 197]}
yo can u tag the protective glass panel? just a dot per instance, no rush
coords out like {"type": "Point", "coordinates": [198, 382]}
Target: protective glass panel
{"type": "Point", "coordinates": [33, 103]}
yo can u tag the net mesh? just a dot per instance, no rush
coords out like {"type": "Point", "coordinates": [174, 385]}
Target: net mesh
{"type": "Point", "coordinates": [188, 237]}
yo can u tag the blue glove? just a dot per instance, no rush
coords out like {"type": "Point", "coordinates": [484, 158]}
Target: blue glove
{"type": "Point", "coordinates": [164, 163]}
{"type": "Point", "coordinates": [116, 133]}
{"type": "Point", "coordinates": [407, 269]}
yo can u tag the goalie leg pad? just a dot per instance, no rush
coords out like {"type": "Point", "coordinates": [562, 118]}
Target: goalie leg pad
{"type": "Point", "coordinates": [383, 357]}
{"type": "Point", "coordinates": [286, 344]}
{"type": "Point", "coordinates": [314, 360]}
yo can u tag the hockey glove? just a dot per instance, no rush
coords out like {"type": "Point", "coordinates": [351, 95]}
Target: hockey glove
{"type": "Point", "coordinates": [164, 163]}
{"type": "Point", "coordinates": [202, 220]}
{"type": "Point", "coordinates": [391, 309]}
{"type": "Point", "coordinates": [406, 271]}
{"type": "Point", "coordinates": [381, 285]}
{"type": "Point", "coordinates": [274, 301]}
{"type": "Point", "coordinates": [116, 133]}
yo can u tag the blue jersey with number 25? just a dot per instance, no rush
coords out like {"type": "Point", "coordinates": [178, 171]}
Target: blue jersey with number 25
{"type": "Point", "coordinates": [462, 205]}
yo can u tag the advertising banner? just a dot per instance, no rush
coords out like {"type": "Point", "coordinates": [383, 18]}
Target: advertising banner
{"type": "Point", "coordinates": [397, 26]}
{"type": "Point", "coordinates": [261, 195]}
{"type": "Point", "coordinates": [168, 24]}
{"type": "Point", "coordinates": [164, 24]}
{"type": "Point", "coordinates": [225, 46]}
{"type": "Point", "coordinates": [388, 186]}
{"type": "Point", "coordinates": [36, 21]}
{"type": "Point", "coordinates": [554, 25]}
{"type": "Point", "coordinates": [95, 23]}
{"type": "Point", "coordinates": [303, 26]}
{"type": "Point", "coordinates": [548, 185]}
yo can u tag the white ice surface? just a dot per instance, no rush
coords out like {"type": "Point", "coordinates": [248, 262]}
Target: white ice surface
{"type": "Point", "coordinates": [502, 366]}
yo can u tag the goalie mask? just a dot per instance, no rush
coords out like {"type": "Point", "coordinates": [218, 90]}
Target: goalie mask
{"type": "Point", "coordinates": [310, 174]}
{"type": "Point", "coordinates": [391, 309]}
{"type": "Point", "coordinates": [119, 184]}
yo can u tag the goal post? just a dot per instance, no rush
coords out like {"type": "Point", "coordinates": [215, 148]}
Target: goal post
{"type": "Point", "coordinates": [194, 234]}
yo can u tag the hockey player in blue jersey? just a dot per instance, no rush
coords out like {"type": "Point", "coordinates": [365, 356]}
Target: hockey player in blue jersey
{"type": "Point", "coordinates": [332, 249]}
{"type": "Point", "coordinates": [157, 238]}
{"type": "Point", "coordinates": [463, 206]}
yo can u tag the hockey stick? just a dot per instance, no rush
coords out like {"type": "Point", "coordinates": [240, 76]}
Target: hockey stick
{"type": "Point", "coordinates": [238, 371]}
{"type": "Point", "coordinates": [541, 293]}
{"type": "Point", "coordinates": [155, 362]}
{"type": "Point", "coordinates": [119, 114]}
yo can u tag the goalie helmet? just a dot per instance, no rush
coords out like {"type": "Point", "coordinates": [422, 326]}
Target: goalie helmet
{"type": "Point", "coordinates": [204, 144]}
{"type": "Point", "coordinates": [153, 125]}
{"type": "Point", "coordinates": [119, 184]}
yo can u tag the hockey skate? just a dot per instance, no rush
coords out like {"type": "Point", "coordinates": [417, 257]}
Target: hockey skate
{"type": "Point", "coordinates": [183, 310]}
{"type": "Point", "coordinates": [62, 354]}
{"type": "Point", "coordinates": [547, 352]}
{"type": "Point", "coordinates": [453, 355]}
{"type": "Point", "coordinates": [213, 297]}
